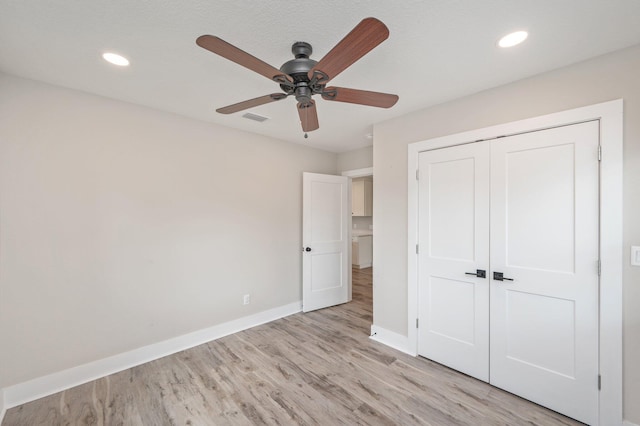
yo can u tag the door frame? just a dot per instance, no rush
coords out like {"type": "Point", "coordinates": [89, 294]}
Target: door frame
{"type": "Point", "coordinates": [610, 116]}
{"type": "Point", "coordinates": [358, 172]}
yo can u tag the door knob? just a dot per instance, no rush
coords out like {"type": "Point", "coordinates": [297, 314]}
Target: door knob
{"type": "Point", "coordinates": [307, 249]}
{"type": "Point", "coordinates": [480, 273]}
{"type": "Point", "coordinates": [499, 276]}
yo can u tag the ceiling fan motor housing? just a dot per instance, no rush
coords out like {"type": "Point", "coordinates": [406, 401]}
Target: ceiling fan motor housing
{"type": "Point", "coordinates": [298, 69]}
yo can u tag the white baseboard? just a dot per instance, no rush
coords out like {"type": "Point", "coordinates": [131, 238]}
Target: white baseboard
{"type": "Point", "coordinates": [628, 423]}
{"type": "Point", "coordinates": [31, 390]}
{"type": "Point", "coordinates": [391, 339]}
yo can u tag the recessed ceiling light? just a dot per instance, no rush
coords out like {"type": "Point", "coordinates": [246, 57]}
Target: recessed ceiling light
{"type": "Point", "coordinates": [512, 39]}
{"type": "Point", "coordinates": [115, 59]}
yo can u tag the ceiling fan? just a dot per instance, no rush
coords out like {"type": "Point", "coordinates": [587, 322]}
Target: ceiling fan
{"type": "Point", "coordinates": [303, 77]}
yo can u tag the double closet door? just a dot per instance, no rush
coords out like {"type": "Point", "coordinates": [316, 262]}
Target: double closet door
{"type": "Point", "coordinates": [508, 264]}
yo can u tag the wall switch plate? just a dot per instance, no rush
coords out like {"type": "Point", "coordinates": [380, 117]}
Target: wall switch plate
{"type": "Point", "coordinates": [246, 299]}
{"type": "Point", "coordinates": [635, 255]}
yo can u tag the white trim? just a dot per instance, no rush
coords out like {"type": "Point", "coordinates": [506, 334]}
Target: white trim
{"type": "Point", "coordinates": [610, 115]}
{"type": "Point", "coordinates": [47, 385]}
{"type": "Point", "coordinates": [3, 408]}
{"type": "Point", "coordinates": [391, 339]}
{"type": "Point", "coordinates": [628, 423]}
{"type": "Point", "coordinates": [349, 239]}
{"type": "Point", "coordinates": [358, 172]}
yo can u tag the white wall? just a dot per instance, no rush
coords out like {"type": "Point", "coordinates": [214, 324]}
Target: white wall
{"type": "Point", "coordinates": [121, 226]}
{"type": "Point", "coordinates": [357, 159]}
{"type": "Point", "coordinates": [605, 78]}
{"type": "Point", "coordinates": [362, 222]}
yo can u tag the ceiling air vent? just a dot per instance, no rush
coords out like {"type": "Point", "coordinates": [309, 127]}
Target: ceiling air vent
{"type": "Point", "coordinates": [255, 117]}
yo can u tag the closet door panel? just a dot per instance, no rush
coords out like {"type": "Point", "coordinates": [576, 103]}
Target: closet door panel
{"type": "Point", "coordinates": [453, 235]}
{"type": "Point", "coordinates": [544, 240]}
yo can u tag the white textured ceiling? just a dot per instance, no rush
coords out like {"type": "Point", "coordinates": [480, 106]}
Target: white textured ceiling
{"type": "Point", "coordinates": [438, 50]}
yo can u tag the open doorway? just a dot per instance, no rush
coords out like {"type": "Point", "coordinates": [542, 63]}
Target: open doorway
{"type": "Point", "coordinates": [361, 227]}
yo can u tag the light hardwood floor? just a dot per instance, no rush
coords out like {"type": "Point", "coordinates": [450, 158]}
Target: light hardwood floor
{"type": "Point", "coordinates": [318, 368]}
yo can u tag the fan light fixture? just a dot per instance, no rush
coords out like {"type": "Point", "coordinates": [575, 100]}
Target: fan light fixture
{"type": "Point", "coordinates": [115, 59]}
{"type": "Point", "coordinates": [513, 39]}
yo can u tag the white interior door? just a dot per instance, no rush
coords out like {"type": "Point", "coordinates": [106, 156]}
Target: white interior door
{"type": "Point", "coordinates": [453, 196]}
{"type": "Point", "coordinates": [326, 264]}
{"type": "Point", "coordinates": [544, 239]}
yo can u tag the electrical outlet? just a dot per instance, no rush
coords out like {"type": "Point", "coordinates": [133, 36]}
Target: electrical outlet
{"type": "Point", "coordinates": [635, 255]}
{"type": "Point", "coordinates": [246, 299]}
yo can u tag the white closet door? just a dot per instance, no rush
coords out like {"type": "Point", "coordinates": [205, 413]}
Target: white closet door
{"type": "Point", "coordinates": [454, 241]}
{"type": "Point", "coordinates": [544, 238]}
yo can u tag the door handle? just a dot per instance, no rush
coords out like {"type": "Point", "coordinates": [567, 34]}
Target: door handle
{"type": "Point", "coordinates": [499, 276]}
{"type": "Point", "coordinates": [480, 273]}
{"type": "Point", "coordinates": [307, 249]}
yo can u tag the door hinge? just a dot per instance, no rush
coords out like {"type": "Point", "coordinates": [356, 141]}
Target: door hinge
{"type": "Point", "coordinates": [417, 248]}
{"type": "Point", "coordinates": [418, 174]}
{"type": "Point", "coordinates": [599, 267]}
{"type": "Point", "coordinates": [599, 152]}
{"type": "Point", "coordinates": [599, 382]}
{"type": "Point", "coordinates": [417, 322]}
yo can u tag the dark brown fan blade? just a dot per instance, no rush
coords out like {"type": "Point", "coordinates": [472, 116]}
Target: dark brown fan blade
{"type": "Point", "coordinates": [362, 97]}
{"type": "Point", "coordinates": [251, 103]}
{"type": "Point", "coordinates": [240, 57]}
{"type": "Point", "coordinates": [308, 116]}
{"type": "Point", "coordinates": [369, 33]}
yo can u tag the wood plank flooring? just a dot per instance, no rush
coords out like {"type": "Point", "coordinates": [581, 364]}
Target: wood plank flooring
{"type": "Point", "coordinates": [318, 368]}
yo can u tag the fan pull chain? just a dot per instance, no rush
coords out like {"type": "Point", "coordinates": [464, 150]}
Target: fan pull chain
{"type": "Point", "coordinates": [306, 119]}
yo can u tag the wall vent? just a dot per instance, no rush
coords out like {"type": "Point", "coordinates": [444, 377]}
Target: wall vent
{"type": "Point", "coordinates": [255, 117]}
